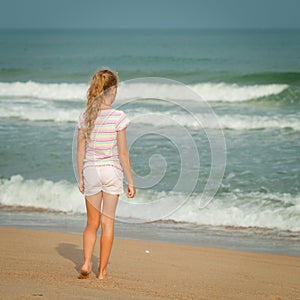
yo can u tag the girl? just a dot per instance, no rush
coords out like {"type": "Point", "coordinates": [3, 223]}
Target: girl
{"type": "Point", "coordinates": [102, 157]}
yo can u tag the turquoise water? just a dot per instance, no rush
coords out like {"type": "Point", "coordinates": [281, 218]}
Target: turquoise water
{"type": "Point", "coordinates": [250, 78]}
{"type": "Point", "coordinates": [191, 56]}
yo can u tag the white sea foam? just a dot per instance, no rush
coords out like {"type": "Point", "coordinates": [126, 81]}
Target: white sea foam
{"type": "Point", "coordinates": [266, 210]}
{"type": "Point", "coordinates": [233, 122]}
{"type": "Point", "coordinates": [245, 210]}
{"type": "Point", "coordinates": [142, 116]}
{"type": "Point", "coordinates": [40, 102]}
{"type": "Point", "coordinates": [242, 122]}
{"type": "Point", "coordinates": [208, 91]}
{"type": "Point", "coordinates": [39, 112]}
{"type": "Point", "coordinates": [53, 91]}
{"type": "Point", "coordinates": [41, 193]}
{"type": "Point", "coordinates": [233, 92]}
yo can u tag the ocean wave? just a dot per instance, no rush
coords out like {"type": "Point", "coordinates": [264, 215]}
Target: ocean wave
{"type": "Point", "coordinates": [37, 112]}
{"type": "Point", "coordinates": [60, 196]}
{"type": "Point", "coordinates": [236, 209]}
{"type": "Point", "coordinates": [269, 77]}
{"type": "Point", "coordinates": [206, 121]}
{"type": "Point", "coordinates": [50, 91]}
{"type": "Point", "coordinates": [242, 122]}
{"type": "Point", "coordinates": [208, 91]}
{"type": "Point", "coordinates": [144, 116]}
{"type": "Point", "coordinates": [235, 93]}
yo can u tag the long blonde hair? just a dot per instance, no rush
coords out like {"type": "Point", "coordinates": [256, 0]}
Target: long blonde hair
{"type": "Point", "coordinates": [100, 83]}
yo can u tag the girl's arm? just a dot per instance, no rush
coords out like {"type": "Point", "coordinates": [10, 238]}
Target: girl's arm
{"type": "Point", "coordinates": [125, 162]}
{"type": "Point", "coordinates": [80, 158]}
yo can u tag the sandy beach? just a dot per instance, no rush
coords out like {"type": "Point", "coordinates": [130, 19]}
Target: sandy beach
{"type": "Point", "coordinates": [44, 265]}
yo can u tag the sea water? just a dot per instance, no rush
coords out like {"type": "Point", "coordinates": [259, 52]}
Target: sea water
{"type": "Point", "coordinates": [249, 78]}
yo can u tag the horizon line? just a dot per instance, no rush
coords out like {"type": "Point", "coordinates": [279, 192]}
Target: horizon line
{"type": "Point", "coordinates": [150, 28]}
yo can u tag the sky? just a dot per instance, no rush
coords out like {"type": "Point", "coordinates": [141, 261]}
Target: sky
{"type": "Point", "coordinates": [40, 14]}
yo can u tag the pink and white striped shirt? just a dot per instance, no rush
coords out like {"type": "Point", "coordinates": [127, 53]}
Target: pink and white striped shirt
{"type": "Point", "coordinates": [102, 149]}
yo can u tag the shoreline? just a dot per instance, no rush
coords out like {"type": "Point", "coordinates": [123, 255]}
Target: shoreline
{"type": "Point", "coordinates": [242, 239]}
{"type": "Point", "coordinates": [39, 263]}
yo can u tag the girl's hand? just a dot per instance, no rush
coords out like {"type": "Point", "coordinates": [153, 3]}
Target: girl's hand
{"type": "Point", "coordinates": [80, 186]}
{"type": "Point", "coordinates": [130, 191]}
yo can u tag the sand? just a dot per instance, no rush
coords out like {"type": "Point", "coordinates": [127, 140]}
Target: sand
{"type": "Point", "coordinates": [45, 265]}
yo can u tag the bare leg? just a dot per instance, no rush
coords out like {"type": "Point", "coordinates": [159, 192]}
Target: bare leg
{"type": "Point", "coordinates": [107, 236]}
{"type": "Point", "coordinates": [90, 233]}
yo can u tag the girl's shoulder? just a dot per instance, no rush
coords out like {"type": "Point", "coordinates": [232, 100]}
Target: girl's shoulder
{"type": "Point", "coordinates": [114, 112]}
{"type": "Point", "coordinates": [117, 111]}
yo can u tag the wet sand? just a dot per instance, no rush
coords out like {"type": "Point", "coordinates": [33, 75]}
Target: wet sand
{"type": "Point", "coordinates": [45, 265]}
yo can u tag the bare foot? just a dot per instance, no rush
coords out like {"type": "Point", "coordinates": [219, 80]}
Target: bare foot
{"type": "Point", "coordinates": [85, 271]}
{"type": "Point", "coordinates": [104, 277]}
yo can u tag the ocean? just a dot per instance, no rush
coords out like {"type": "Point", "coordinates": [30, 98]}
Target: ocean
{"type": "Point", "coordinates": [213, 112]}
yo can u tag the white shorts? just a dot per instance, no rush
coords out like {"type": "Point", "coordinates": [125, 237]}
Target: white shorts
{"type": "Point", "coordinates": [103, 178]}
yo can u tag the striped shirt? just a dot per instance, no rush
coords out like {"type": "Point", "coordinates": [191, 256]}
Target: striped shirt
{"type": "Point", "coordinates": [102, 148]}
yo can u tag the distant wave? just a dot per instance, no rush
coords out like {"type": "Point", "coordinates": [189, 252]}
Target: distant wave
{"type": "Point", "coordinates": [47, 112]}
{"type": "Point", "coordinates": [240, 122]}
{"type": "Point", "coordinates": [233, 122]}
{"type": "Point", "coordinates": [237, 209]}
{"type": "Point", "coordinates": [50, 91]}
{"type": "Point", "coordinates": [209, 91]}
{"type": "Point", "coordinates": [269, 77]}
{"type": "Point", "coordinates": [234, 93]}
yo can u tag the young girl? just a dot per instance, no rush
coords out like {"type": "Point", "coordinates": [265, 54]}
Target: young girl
{"type": "Point", "coordinates": [102, 157]}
